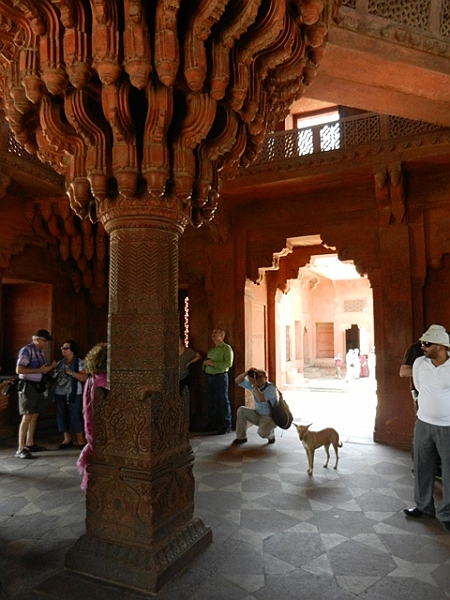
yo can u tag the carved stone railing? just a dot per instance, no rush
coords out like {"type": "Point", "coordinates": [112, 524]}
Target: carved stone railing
{"type": "Point", "coordinates": [423, 24]}
{"type": "Point", "coordinates": [19, 151]}
{"type": "Point", "coordinates": [18, 163]}
{"type": "Point", "coordinates": [355, 131]}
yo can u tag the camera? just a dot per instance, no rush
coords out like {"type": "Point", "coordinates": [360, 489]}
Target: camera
{"type": "Point", "coordinates": [8, 388]}
{"type": "Point", "coordinates": [253, 373]}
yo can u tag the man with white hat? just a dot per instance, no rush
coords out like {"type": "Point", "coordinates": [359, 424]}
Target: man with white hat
{"type": "Point", "coordinates": [431, 375]}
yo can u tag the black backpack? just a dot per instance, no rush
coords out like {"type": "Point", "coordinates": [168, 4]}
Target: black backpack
{"type": "Point", "coordinates": [281, 413]}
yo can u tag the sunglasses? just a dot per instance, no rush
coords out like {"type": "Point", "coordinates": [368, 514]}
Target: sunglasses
{"type": "Point", "coordinates": [65, 347]}
{"type": "Point", "coordinates": [427, 344]}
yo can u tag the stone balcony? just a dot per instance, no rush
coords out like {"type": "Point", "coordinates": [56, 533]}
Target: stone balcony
{"type": "Point", "coordinates": [338, 152]}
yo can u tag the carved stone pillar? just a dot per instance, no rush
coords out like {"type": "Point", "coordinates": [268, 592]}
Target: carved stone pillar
{"type": "Point", "coordinates": [140, 498]}
{"type": "Point", "coordinates": [141, 106]}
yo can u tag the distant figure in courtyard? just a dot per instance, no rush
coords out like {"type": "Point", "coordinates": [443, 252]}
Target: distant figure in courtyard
{"type": "Point", "coordinates": [187, 357]}
{"type": "Point", "coordinates": [67, 392]}
{"type": "Point", "coordinates": [338, 365]}
{"type": "Point", "coordinates": [431, 375]}
{"type": "Point", "coordinates": [371, 361]}
{"type": "Point", "coordinates": [95, 390]}
{"type": "Point", "coordinates": [216, 365]}
{"type": "Point", "coordinates": [356, 364]}
{"type": "Point", "coordinates": [349, 363]}
{"type": "Point", "coordinates": [264, 394]}
{"type": "Point", "coordinates": [364, 367]}
{"type": "Point", "coordinates": [33, 371]}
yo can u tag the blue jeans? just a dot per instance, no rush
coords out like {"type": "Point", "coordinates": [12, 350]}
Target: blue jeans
{"type": "Point", "coordinates": [219, 408]}
{"type": "Point", "coordinates": [69, 415]}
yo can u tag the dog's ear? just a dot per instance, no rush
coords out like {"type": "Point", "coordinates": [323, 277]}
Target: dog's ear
{"type": "Point", "coordinates": [308, 426]}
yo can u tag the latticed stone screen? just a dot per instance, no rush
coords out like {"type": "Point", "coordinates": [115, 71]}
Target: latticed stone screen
{"type": "Point", "coordinates": [399, 127]}
{"type": "Point", "coordinates": [18, 150]}
{"type": "Point", "coordinates": [444, 29]}
{"type": "Point", "coordinates": [349, 3]}
{"type": "Point", "coordinates": [361, 131]}
{"type": "Point", "coordinates": [413, 13]}
{"type": "Point", "coordinates": [354, 306]}
{"type": "Point", "coordinates": [330, 137]}
{"type": "Point", "coordinates": [345, 133]}
{"type": "Point", "coordinates": [305, 142]}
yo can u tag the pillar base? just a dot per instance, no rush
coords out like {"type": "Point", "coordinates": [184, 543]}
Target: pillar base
{"type": "Point", "coordinates": [143, 569]}
{"type": "Point", "coordinates": [395, 439]}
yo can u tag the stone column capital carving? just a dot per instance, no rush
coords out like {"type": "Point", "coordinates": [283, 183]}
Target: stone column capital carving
{"type": "Point", "coordinates": [160, 213]}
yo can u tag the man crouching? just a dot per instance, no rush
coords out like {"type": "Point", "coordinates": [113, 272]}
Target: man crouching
{"type": "Point", "coordinates": [264, 394]}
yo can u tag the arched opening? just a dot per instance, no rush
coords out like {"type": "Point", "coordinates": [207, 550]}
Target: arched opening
{"type": "Point", "coordinates": [306, 311]}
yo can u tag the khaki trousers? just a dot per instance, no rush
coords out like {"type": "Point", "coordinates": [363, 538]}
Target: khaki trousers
{"type": "Point", "coordinates": [246, 415]}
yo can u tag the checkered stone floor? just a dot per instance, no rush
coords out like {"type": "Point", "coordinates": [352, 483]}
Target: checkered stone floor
{"type": "Point", "coordinates": [337, 535]}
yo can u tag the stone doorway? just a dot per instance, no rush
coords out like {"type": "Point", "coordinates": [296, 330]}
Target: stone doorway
{"type": "Point", "coordinates": [352, 338]}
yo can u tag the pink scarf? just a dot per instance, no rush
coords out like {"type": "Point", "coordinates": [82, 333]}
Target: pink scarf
{"type": "Point", "coordinates": [93, 382]}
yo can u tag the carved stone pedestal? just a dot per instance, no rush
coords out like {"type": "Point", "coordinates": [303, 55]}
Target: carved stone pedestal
{"type": "Point", "coordinates": [144, 569]}
{"type": "Point", "coordinates": [140, 520]}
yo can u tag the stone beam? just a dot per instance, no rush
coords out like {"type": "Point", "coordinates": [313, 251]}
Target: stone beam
{"type": "Point", "coordinates": [371, 73]}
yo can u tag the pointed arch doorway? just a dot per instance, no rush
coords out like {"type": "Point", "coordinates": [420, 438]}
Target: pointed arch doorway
{"type": "Point", "coordinates": [313, 314]}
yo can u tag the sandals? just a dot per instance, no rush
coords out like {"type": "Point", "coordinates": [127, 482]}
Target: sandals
{"type": "Point", "coordinates": [36, 448]}
{"type": "Point", "coordinates": [65, 445]}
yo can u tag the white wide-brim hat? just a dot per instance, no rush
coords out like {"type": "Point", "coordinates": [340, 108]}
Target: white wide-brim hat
{"type": "Point", "coordinates": [436, 334]}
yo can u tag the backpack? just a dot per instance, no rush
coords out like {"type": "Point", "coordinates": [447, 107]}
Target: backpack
{"type": "Point", "coordinates": [281, 413]}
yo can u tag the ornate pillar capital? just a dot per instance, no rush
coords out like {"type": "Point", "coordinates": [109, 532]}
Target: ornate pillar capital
{"type": "Point", "coordinates": [155, 212]}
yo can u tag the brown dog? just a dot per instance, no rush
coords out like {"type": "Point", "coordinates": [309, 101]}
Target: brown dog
{"type": "Point", "coordinates": [315, 439]}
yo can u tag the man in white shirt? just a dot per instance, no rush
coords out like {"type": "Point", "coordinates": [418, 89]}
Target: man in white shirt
{"type": "Point", "coordinates": [431, 376]}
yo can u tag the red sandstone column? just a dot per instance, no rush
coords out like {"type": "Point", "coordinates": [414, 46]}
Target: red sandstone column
{"type": "Point", "coordinates": [394, 421]}
{"type": "Point", "coordinates": [140, 498]}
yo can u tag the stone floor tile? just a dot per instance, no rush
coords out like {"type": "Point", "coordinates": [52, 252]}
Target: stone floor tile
{"type": "Point", "coordinates": [335, 535]}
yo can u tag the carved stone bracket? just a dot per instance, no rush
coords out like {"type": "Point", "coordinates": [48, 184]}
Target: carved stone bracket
{"type": "Point", "coordinates": [390, 193]}
{"type": "Point", "coordinates": [126, 114]}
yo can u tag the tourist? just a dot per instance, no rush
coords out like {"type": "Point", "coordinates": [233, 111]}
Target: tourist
{"type": "Point", "coordinates": [96, 363]}
{"type": "Point", "coordinates": [264, 394]}
{"type": "Point", "coordinates": [32, 369]}
{"type": "Point", "coordinates": [70, 374]}
{"type": "Point", "coordinates": [431, 375]}
{"type": "Point", "coordinates": [216, 365]}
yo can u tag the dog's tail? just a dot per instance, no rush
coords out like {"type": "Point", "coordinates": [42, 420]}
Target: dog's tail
{"type": "Point", "coordinates": [340, 444]}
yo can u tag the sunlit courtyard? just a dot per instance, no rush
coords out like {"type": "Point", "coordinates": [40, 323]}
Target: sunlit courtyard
{"type": "Point", "coordinates": [328, 402]}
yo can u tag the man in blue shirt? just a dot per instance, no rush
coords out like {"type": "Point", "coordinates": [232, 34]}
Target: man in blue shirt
{"type": "Point", "coordinates": [264, 394]}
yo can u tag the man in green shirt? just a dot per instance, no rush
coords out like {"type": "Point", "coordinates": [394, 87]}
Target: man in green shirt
{"type": "Point", "coordinates": [216, 365]}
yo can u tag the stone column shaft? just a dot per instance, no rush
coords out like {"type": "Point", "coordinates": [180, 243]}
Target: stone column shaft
{"type": "Point", "coordinates": [140, 498]}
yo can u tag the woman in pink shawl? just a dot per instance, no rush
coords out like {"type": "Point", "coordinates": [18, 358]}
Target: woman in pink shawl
{"type": "Point", "coordinates": [96, 365]}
